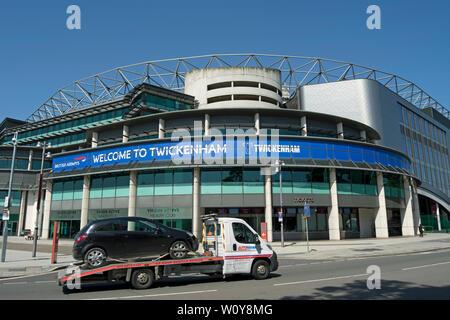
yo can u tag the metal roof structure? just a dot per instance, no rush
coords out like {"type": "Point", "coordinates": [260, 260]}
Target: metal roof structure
{"type": "Point", "coordinates": [169, 73]}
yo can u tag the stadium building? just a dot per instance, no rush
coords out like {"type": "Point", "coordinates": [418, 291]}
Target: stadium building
{"type": "Point", "coordinates": [174, 139]}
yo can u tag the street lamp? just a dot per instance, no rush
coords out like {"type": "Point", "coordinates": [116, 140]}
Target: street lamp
{"type": "Point", "coordinates": [38, 209]}
{"type": "Point", "coordinates": [278, 165]}
{"type": "Point", "coordinates": [8, 199]}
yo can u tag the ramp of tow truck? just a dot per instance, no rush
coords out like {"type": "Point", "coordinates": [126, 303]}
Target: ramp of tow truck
{"type": "Point", "coordinates": [132, 265]}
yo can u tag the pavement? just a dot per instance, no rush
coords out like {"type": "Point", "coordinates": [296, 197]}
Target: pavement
{"type": "Point", "coordinates": [19, 260]}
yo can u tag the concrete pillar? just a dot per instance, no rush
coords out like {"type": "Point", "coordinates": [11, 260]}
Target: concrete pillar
{"type": "Point", "coordinates": [47, 209]}
{"type": "Point", "coordinates": [196, 223]}
{"type": "Point", "coordinates": [207, 125]}
{"type": "Point", "coordinates": [362, 135]}
{"type": "Point", "coordinates": [23, 207]}
{"type": "Point", "coordinates": [161, 130]}
{"type": "Point", "coordinates": [268, 204]}
{"type": "Point", "coordinates": [438, 216]}
{"type": "Point", "coordinates": [340, 130]}
{"type": "Point", "coordinates": [257, 124]}
{"type": "Point", "coordinates": [303, 126]}
{"type": "Point", "coordinates": [407, 213]}
{"type": "Point", "coordinates": [416, 208]}
{"type": "Point", "coordinates": [334, 230]}
{"type": "Point", "coordinates": [125, 133]}
{"type": "Point", "coordinates": [85, 201]}
{"type": "Point", "coordinates": [30, 160]}
{"type": "Point", "coordinates": [94, 139]}
{"type": "Point", "coordinates": [132, 194]}
{"type": "Point", "coordinates": [381, 226]}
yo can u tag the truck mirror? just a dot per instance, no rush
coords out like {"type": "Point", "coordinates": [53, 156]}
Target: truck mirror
{"type": "Point", "coordinates": [257, 239]}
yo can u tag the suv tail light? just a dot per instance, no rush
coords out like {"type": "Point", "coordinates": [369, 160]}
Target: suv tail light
{"type": "Point", "coordinates": [81, 238]}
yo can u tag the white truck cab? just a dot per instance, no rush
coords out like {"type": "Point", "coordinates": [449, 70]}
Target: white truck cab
{"type": "Point", "coordinates": [242, 249]}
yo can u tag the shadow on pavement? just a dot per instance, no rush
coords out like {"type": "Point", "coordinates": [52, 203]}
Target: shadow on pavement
{"type": "Point", "coordinates": [390, 290]}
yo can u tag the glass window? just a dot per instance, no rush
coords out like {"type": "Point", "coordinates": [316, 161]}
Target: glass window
{"type": "Point", "coordinates": [145, 184]}
{"type": "Point", "coordinates": [286, 181]}
{"type": "Point", "coordinates": [211, 182]}
{"type": "Point", "coordinates": [68, 190]}
{"type": "Point", "coordinates": [182, 181]}
{"type": "Point", "coordinates": [301, 181]}
{"type": "Point", "coordinates": [96, 188]}
{"type": "Point", "coordinates": [232, 181]}
{"type": "Point", "coordinates": [78, 189]}
{"type": "Point", "coordinates": [253, 181]}
{"type": "Point", "coordinates": [242, 233]}
{"type": "Point", "coordinates": [109, 187]}
{"type": "Point", "coordinates": [123, 186]}
{"type": "Point", "coordinates": [57, 191]}
{"type": "Point", "coordinates": [163, 182]}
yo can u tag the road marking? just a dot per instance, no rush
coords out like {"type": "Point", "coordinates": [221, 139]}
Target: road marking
{"type": "Point", "coordinates": [16, 283]}
{"type": "Point", "coordinates": [324, 279]}
{"type": "Point", "coordinates": [47, 281]}
{"type": "Point", "coordinates": [156, 295]}
{"type": "Point", "coordinates": [426, 265]}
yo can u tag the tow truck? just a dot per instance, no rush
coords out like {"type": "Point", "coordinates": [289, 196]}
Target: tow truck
{"type": "Point", "coordinates": [229, 246]}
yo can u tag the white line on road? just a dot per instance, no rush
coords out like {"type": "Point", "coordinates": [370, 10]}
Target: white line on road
{"type": "Point", "coordinates": [155, 295]}
{"type": "Point", "coordinates": [426, 265]}
{"type": "Point", "coordinates": [324, 279]}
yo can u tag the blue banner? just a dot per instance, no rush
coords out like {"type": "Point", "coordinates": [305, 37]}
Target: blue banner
{"type": "Point", "coordinates": [261, 152]}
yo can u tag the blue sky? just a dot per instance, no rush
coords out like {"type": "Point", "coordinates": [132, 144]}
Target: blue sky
{"type": "Point", "coordinates": [40, 55]}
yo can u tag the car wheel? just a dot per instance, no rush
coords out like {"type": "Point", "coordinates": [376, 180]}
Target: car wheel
{"type": "Point", "coordinates": [142, 279]}
{"type": "Point", "coordinates": [260, 270]}
{"type": "Point", "coordinates": [178, 250]}
{"type": "Point", "coordinates": [95, 258]}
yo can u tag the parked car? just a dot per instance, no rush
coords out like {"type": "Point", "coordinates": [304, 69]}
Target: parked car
{"type": "Point", "coordinates": [130, 237]}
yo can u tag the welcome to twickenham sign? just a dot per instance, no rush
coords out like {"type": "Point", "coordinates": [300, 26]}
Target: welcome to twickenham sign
{"type": "Point", "coordinates": [258, 150]}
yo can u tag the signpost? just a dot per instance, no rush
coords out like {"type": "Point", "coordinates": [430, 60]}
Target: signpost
{"type": "Point", "coordinates": [264, 230]}
{"type": "Point", "coordinates": [307, 214]}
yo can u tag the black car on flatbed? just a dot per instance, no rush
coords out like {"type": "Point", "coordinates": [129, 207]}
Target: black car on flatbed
{"type": "Point", "coordinates": [130, 238]}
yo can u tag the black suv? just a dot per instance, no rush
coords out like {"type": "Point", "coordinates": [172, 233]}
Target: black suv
{"type": "Point", "coordinates": [130, 237]}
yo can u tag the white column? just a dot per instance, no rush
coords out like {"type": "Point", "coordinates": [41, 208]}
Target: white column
{"type": "Point", "coordinates": [340, 130]}
{"type": "Point", "coordinates": [207, 124]}
{"type": "Point", "coordinates": [47, 209]}
{"type": "Point", "coordinates": [303, 126]}
{"type": "Point", "coordinates": [94, 139]}
{"type": "Point", "coordinates": [407, 213]}
{"type": "Point", "coordinates": [23, 206]}
{"type": "Point", "coordinates": [257, 123]}
{"type": "Point", "coordinates": [85, 201]}
{"type": "Point", "coordinates": [438, 216]}
{"type": "Point", "coordinates": [125, 133]}
{"type": "Point", "coordinates": [196, 228]}
{"type": "Point", "coordinates": [161, 130]}
{"type": "Point", "coordinates": [132, 194]}
{"type": "Point", "coordinates": [268, 207]}
{"type": "Point", "coordinates": [416, 208]}
{"type": "Point", "coordinates": [333, 214]}
{"type": "Point", "coordinates": [381, 227]}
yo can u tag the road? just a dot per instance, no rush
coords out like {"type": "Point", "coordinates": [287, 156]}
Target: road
{"type": "Point", "coordinates": [409, 276]}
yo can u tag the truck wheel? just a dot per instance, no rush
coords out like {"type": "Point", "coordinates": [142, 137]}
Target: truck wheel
{"type": "Point", "coordinates": [142, 279]}
{"type": "Point", "coordinates": [178, 250]}
{"type": "Point", "coordinates": [260, 270]}
{"type": "Point", "coordinates": [95, 258]}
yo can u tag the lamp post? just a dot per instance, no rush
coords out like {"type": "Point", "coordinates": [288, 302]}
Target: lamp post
{"type": "Point", "coordinates": [8, 199]}
{"type": "Point", "coordinates": [278, 164]}
{"type": "Point", "coordinates": [38, 209]}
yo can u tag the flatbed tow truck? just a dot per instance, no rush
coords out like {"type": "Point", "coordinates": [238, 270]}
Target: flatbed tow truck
{"type": "Point", "coordinates": [230, 246]}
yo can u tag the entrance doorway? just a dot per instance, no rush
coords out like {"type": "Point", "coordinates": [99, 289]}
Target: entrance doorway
{"type": "Point", "coordinates": [253, 216]}
{"type": "Point", "coordinates": [394, 222]}
{"type": "Point", "coordinates": [68, 228]}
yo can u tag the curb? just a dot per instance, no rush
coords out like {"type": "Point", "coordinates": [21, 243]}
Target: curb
{"type": "Point", "coordinates": [362, 256]}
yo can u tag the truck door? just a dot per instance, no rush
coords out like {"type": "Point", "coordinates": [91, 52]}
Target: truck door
{"type": "Point", "coordinates": [244, 249]}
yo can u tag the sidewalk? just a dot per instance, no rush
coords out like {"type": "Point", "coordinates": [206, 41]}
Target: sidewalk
{"type": "Point", "coordinates": [359, 248]}
{"type": "Point", "coordinates": [19, 261]}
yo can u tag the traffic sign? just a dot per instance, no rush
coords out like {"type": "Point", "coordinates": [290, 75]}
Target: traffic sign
{"type": "Point", "coordinates": [307, 211]}
{"type": "Point", "coordinates": [5, 214]}
{"type": "Point", "coordinates": [280, 216]}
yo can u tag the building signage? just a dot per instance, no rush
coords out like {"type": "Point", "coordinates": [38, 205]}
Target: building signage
{"type": "Point", "coordinates": [250, 151]}
{"type": "Point", "coordinates": [164, 213]}
{"type": "Point", "coordinates": [65, 215]}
